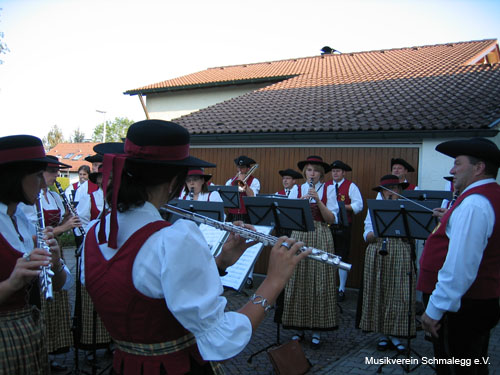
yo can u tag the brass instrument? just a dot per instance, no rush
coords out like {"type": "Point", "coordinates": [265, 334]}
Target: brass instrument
{"type": "Point", "coordinates": [242, 183]}
{"type": "Point", "coordinates": [79, 231]}
{"type": "Point", "coordinates": [267, 240]}
{"type": "Point", "coordinates": [45, 277]}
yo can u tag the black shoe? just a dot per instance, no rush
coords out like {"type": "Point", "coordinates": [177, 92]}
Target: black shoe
{"type": "Point", "coordinates": [249, 283]}
{"type": "Point", "coordinates": [341, 296]}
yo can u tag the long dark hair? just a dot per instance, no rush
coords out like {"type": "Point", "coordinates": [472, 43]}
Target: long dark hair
{"type": "Point", "coordinates": [11, 175]}
{"type": "Point", "coordinates": [138, 178]}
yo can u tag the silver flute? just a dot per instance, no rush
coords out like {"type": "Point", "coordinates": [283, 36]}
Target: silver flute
{"type": "Point", "coordinates": [266, 239]}
{"type": "Point", "coordinates": [45, 277]}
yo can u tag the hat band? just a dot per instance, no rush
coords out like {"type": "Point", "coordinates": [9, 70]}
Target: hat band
{"type": "Point", "coordinates": [315, 159]}
{"type": "Point", "coordinates": [389, 182]}
{"type": "Point", "coordinates": [195, 172]}
{"type": "Point", "coordinates": [19, 154]}
{"type": "Point", "coordinates": [157, 152]}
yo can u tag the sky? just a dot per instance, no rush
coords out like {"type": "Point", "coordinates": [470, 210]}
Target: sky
{"type": "Point", "coordinates": [70, 59]}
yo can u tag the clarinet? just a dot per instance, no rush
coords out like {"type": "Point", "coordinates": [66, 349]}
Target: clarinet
{"type": "Point", "coordinates": [267, 240]}
{"type": "Point", "coordinates": [46, 273]}
{"type": "Point", "coordinates": [78, 232]}
{"type": "Point", "coordinates": [191, 194]}
{"type": "Point", "coordinates": [311, 185]}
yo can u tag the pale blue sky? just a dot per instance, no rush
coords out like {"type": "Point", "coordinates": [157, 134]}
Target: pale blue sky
{"type": "Point", "coordinates": [70, 58]}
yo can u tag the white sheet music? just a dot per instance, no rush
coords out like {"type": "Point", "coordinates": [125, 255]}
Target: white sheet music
{"type": "Point", "coordinates": [237, 273]}
{"type": "Point", "coordinates": [215, 237]}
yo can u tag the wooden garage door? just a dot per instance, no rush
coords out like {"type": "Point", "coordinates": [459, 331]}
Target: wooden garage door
{"type": "Point", "coordinates": [368, 165]}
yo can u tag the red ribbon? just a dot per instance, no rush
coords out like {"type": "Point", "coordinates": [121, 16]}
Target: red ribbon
{"type": "Point", "coordinates": [25, 153]}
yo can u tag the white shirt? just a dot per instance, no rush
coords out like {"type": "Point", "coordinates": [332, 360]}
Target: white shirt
{"type": "Point", "coordinates": [354, 195]}
{"type": "Point", "coordinates": [469, 228]}
{"type": "Point", "coordinates": [50, 202]}
{"type": "Point", "coordinates": [175, 263]}
{"type": "Point", "coordinates": [379, 194]}
{"type": "Point", "coordinates": [255, 185]}
{"type": "Point", "coordinates": [85, 204]}
{"type": "Point", "coordinates": [213, 196]}
{"type": "Point", "coordinates": [27, 231]}
{"type": "Point", "coordinates": [331, 198]}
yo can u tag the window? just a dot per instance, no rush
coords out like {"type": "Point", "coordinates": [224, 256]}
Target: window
{"type": "Point", "coordinates": [68, 156]}
{"type": "Point", "coordinates": [77, 157]}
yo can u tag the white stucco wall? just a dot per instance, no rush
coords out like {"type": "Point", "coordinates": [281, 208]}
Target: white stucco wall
{"type": "Point", "coordinates": [171, 105]}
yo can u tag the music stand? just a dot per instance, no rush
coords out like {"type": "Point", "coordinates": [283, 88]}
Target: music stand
{"type": "Point", "coordinates": [404, 219]}
{"type": "Point", "coordinates": [282, 214]}
{"type": "Point", "coordinates": [230, 195]}
{"type": "Point", "coordinates": [343, 215]}
{"type": "Point", "coordinates": [427, 195]}
{"type": "Point", "coordinates": [213, 210]}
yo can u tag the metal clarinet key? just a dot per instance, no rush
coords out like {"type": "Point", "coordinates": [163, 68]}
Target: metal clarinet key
{"type": "Point", "coordinates": [79, 231]}
{"type": "Point", "coordinates": [268, 240]}
{"type": "Point", "coordinates": [46, 273]}
{"type": "Point", "coordinates": [191, 194]}
{"type": "Point", "coordinates": [311, 186]}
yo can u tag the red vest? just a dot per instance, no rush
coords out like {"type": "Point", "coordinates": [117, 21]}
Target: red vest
{"type": "Point", "coordinates": [411, 187]}
{"type": "Point", "coordinates": [487, 283]}
{"type": "Point", "coordinates": [92, 187]}
{"type": "Point", "coordinates": [94, 210]}
{"type": "Point", "coordinates": [128, 314]}
{"type": "Point", "coordinates": [242, 209]}
{"type": "Point", "coordinates": [9, 257]}
{"type": "Point", "coordinates": [316, 214]}
{"type": "Point", "coordinates": [343, 195]}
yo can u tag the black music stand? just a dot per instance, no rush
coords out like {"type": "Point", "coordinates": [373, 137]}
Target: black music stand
{"type": "Point", "coordinates": [343, 215]}
{"type": "Point", "coordinates": [428, 195]}
{"type": "Point", "coordinates": [410, 220]}
{"type": "Point", "coordinates": [282, 214]}
{"type": "Point", "coordinates": [213, 210]}
{"type": "Point", "coordinates": [230, 195]}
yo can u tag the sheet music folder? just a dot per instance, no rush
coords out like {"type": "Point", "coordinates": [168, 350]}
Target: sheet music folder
{"type": "Point", "coordinates": [390, 216]}
{"type": "Point", "coordinates": [283, 214]}
{"type": "Point", "coordinates": [229, 194]}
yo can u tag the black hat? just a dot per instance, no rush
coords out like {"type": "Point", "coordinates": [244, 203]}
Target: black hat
{"type": "Point", "coordinates": [244, 161]}
{"type": "Point", "coordinates": [109, 148]}
{"type": "Point", "coordinates": [337, 164]}
{"type": "Point", "coordinates": [55, 163]}
{"type": "Point", "coordinates": [15, 148]}
{"type": "Point", "coordinates": [402, 162]}
{"type": "Point", "coordinates": [291, 173]}
{"type": "Point", "coordinates": [480, 148]}
{"type": "Point", "coordinates": [195, 171]}
{"type": "Point", "coordinates": [390, 180]}
{"type": "Point", "coordinates": [97, 158]}
{"type": "Point", "coordinates": [448, 178]}
{"type": "Point", "coordinates": [313, 159]}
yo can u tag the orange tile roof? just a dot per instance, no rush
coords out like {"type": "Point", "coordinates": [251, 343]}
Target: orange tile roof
{"type": "Point", "coordinates": [73, 153]}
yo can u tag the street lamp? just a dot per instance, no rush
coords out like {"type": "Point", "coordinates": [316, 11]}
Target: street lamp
{"type": "Point", "coordinates": [104, 126]}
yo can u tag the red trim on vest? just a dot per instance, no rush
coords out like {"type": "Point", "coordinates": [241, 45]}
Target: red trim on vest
{"type": "Point", "coordinates": [487, 283]}
{"type": "Point", "coordinates": [128, 314]}
{"type": "Point", "coordinates": [9, 257]}
{"type": "Point", "coordinates": [94, 210]}
{"type": "Point", "coordinates": [316, 214]}
{"type": "Point", "coordinates": [75, 186]}
{"type": "Point", "coordinates": [411, 187]}
{"type": "Point", "coordinates": [343, 195]}
{"type": "Point", "coordinates": [242, 210]}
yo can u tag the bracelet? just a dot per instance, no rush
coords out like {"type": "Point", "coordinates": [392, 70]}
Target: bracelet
{"type": "Point", "coordinates": [259, 300]}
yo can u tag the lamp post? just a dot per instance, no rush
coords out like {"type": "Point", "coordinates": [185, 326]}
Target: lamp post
{"type": "Point", "coordinates": [104, 125]}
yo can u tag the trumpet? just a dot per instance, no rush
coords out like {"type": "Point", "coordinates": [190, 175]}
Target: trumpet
{"type": "Point", "coordinates": [242, 183]}
{"type": "Point", "coordinates": [267, 240]}
{"type": "Point", "coordinates": [45, 277]}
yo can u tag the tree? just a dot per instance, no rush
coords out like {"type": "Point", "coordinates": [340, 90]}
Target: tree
{"type": "Point", "coordinates": [115, 130]}
{"type": "Point", "coordinates": [77, 136]}
{"type": "Point", "coordinates": [54, 137]}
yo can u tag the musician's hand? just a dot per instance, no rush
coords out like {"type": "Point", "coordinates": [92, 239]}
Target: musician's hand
{"type": "Point", "coordinates": [74, 222]}
{"type": "Point", "coordinates": [51, 241]}
{"type": "Point", "coordinates": [283, 260]}
{"type": "Point", "coordinates": [370, 237]}
{"type": "Point", "coordinates": [234, 246]}
{"type": "Point", "coordinates": [439, 212]}
{"type": "Point", "coordinates": [312, 193]}
{"type": "Point", "coordinates": [430, 325]}
{"type": "Point", "coordinates": [27, 268]}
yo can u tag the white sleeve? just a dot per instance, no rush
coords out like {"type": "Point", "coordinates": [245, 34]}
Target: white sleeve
{"type": "Point", "coordinates": [368, 225]}
{"type": "Point", "coordinates": [356, 199]}
{"type": "Point", "coordinates": [255, 186]}
{"type": "Point", "coordinates": [192, 288]}
{"type": "Point", "coordinates": [331, 201]}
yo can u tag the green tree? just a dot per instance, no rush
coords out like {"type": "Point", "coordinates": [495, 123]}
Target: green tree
{"type": "Point", "coordinates": [115, 130]}
{"type": "Point", "coordinates": [54, 137]}
{"type": "Point", "coordinates": [78, 136]}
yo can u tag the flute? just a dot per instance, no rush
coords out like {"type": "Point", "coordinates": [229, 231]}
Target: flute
{"type": "Point", "coordinates": [70, 208]}
{"type": "Point", "coordinates": [267, 240]}
{"type": "Point", "coordinates": [46, 273]}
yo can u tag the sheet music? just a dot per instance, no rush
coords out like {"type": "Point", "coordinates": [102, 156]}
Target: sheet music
{"type": "Point", "coordinates": [237, 273]}
{"type": "Point", "coordinates": [215, 237]}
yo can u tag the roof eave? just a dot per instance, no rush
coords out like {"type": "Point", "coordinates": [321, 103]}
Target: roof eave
{"type": "Point", "coordinates": [410, 136]}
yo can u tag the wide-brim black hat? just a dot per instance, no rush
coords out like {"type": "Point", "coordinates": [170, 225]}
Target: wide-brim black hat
{"type": "Point", "coordinates": [291, 173]}
{"type": "Point", "coordinates": [390, 180]}
{"type": "Point", "coordinates": [402, 162]}
{"type": "Point", "coordinates": [199, 172]}
{"type": "Point", "coordinates": [155, 142]}
{"type": "Point", "coordinates": [55, 163]}
{"type": "Point", "coordinates": [97, 158]}
{"type": "Point", "coordinates": [338, 164]}
{"type": "Point", "coordinates": [244, 161]}
{"type": "Point", "coordinates": [480, 148]}
{"type": "Point", "coordinates": [314, 159]}
{"type": "Point", "coordinates": [16, 148]}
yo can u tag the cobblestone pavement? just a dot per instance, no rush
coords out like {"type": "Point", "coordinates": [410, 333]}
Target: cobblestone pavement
{"type": "Point", "coordinates": [344, 351]}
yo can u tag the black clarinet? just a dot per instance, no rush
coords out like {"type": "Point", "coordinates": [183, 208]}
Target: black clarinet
{"type": "Point", "coordinates": [78, 231]}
